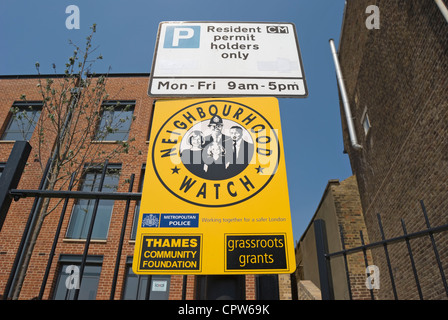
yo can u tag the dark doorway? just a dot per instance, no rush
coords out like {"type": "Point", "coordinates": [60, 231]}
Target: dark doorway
{"type": "Point", "coordinates": [221, 288]}
{"type": "Point", "coordinates": [267, 287]}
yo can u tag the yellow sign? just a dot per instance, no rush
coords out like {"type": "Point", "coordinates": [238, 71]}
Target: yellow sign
{"type": "Point", "coordinates": [215, 197]}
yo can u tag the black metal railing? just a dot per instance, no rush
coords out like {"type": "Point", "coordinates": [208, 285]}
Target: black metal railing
{"type": "Point", "coordinates": [324, 256]}
{"type": "Point", "coordinates": [11, 181]}
{"type": "Point", "coordinates": [67, 195]}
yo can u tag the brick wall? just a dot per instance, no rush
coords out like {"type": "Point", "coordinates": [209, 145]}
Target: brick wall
{"type": "Point", "coordinates": [307, 290]}
{"type": "Point", "coordinates": [340, 207]}
{"type": "Point", "coordinates": [122, 88]}
{"type": "Point", "coordinates": [398, 75]}
{"type": "Point", "coordinates": [351, 218]}
{"type": "Point", "coordinates": [284, 284]}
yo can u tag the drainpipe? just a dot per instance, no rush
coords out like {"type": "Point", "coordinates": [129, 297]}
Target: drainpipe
{"type": "Point", "coordinates": [442, 8]}
{"type": "Point", "coordinates": [348, 113]}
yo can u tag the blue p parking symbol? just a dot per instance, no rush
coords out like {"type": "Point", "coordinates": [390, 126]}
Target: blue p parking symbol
{"type": "Point", "coordinates": [182, 37]}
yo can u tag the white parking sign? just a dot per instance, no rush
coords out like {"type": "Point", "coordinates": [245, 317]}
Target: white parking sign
{"type": "Point", "coordinates": [217, 59]}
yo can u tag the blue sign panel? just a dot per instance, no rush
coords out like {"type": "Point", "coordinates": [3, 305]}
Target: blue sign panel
{"type": "Point", "coordinates": [179, 220]}
{"type": "Point", "coordinates": [182, 37]}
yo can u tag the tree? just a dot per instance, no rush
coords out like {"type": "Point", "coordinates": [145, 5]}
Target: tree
{"type": "Point", "coordinates": [72, 122]}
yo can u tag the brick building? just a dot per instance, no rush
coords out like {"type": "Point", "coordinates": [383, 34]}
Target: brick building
{"type": "Point", "coordinates": [340, 208]}
{"type": "Point", "coordinates": [397, 87]}
{"type": "Point", "coordinates": [130, 89]}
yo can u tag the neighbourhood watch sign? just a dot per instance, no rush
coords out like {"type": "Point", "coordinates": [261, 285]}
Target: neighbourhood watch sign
{"type": "Point", "coordinates": [227, 59]}
{"type": "Point", "coordinates": [215, 197]}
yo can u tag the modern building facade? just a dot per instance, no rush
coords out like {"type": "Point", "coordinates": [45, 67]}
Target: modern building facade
{"type": "Point", "coordinates": [396, 78]}
{"type": "Point", "coordinates": [101, 279]}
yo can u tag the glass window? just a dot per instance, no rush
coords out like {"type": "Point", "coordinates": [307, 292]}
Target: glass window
{"type": "Point", "coordinates": [22, 121]}
{"type": "Point", "coordinates": [136, 286]}
{"type": "Point", "coordinates": [83, 209]}
{"type": "Point", "coordinates": [2, 167]}
{"type": "Point", "coordinates": [366, 123]}
{"type": "Point", "coordinates": [68, 279]}
{"type": "Point", "coordinates": [116, 119]}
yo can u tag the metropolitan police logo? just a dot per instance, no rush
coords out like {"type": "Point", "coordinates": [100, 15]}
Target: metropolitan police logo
{"type": "Point", "coordinates": [150, 220]}
{"type": "Point", "coordinates": [216, 153]}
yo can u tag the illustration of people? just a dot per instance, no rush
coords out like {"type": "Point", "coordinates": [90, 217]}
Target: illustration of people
{"type": "Point", "coordinates": [241, 151]}
{"type": "Point", "coordinates": [217, 156]}
{"type": "Point", "coordinates": [214, 161]}
{"type": "Point", "coordinates": [216, 125]}
{"type": "Point", "coordinates": [215, 150]}
{"type": "Point", "coordinates": [192, 157]}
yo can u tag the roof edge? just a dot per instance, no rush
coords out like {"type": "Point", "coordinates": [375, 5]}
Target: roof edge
{"type": "Point", "coordinates": [330, 183]}
{"type": "Point", "coordinates": [35, 76]}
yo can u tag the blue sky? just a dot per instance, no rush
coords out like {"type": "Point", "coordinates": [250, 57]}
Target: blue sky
{"type": "Point", "coordinates": [32, 31]}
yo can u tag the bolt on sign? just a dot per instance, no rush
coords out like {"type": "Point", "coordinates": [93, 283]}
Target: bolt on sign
{"type": "Point", "coordinates": [222, 59]}
{"type": "Point", "coordinates": [215, 197]}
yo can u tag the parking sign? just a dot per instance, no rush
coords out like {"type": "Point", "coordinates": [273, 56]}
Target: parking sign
{"type": "Point", "coordinates": [227, 59]}
{"type": "Point", "coordinates": [182, 37]}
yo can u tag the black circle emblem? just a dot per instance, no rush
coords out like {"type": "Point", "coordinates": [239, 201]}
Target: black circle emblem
{"type": "Point", "coordinates": [215, 153]}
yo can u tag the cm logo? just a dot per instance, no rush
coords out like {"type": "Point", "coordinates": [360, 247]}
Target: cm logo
{"type": "Point", "coordinates": [277, 29]}
{"type": "Point", "coordinates": [182, 37]}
